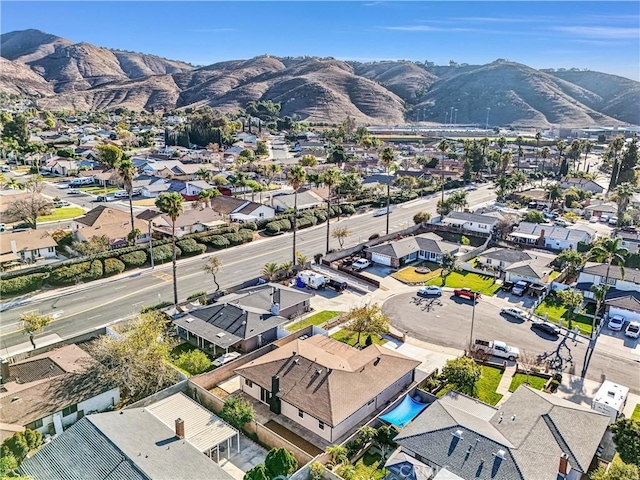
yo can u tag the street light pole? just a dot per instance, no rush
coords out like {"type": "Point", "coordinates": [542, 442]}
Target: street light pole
{"type": "Point", "coordinates": [151, 247]}
{"type": "Point", "coordinates": [473, 316]}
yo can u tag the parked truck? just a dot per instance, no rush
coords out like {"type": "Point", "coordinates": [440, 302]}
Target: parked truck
{"type": "Point", "coordinates": [312, 279]}
{"type": "Point", "coordinates": [497, 348]}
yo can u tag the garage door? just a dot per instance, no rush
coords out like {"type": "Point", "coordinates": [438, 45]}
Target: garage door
{"type": "Point", "coordinates": [381, 259]}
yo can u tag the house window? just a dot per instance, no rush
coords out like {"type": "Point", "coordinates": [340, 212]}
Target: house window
{"type": "Point", "coordinates": [248, 383]}
{"type": "Point", "coordinates": [34, 425]}
{"type": "Point", "coordinates": [300, 413]}
{"type": "Point", "coordinates": [51, 249]}
{"type": "Point", "coordinates": [611, 281]}
{"type": "Point", "coordinates": [488, 261]}
{"type": "Point", "coordinates": [321, 425]}
{"type": "Point", "coordinates": [371, 401]}
{"type": "Point", "coordinates": [69, 410]}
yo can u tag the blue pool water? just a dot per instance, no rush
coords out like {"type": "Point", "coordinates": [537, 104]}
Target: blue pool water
{"type": "Point", "coordinates": [405, 412]}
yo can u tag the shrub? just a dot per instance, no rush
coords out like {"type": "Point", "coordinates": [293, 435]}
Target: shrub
{"type": "Point", "coordinates": [320, 216]}
{"type": "Point", "coordinates": [306, 221]}
{"type": "Point", "coordinates": [216, 241]}
{"type": "Point", "coordinates": [113, 266]}
{"type": "Point", "coordinates": [246, 234]}
{"type": "Point", "coordinates": [84, 271]}
{"type": "Point", "coordinates": [134, 259]}
{"type": "Point", "coordinates": [277, 226]}
{"type": "Point", "coordinates": [157, 306]}
{"type": "Point", "coordinates": [190, 247]}
{"type": "Point", "coordinates": [198, 294]}
{"type": "Point", "coordinates": [233, 238]}
{"type": "Point", "coordinates": [347, 209]}
{"type": "Point", "coordinates": [237, 411]}
{"type": "Point", "coordinates": [194, 362]}
{"type": "Point", "coordinates": [22, 284]}
{"type": "Point", "coordinates": [250, 226]}
{"type": "Point", "coordinates": [374, 236]}
{"type": "Point", "coordinates": [162, 253]}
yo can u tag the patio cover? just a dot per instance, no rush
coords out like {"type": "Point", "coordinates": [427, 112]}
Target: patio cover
{"type": "Point", "coordinates": [525, 235]}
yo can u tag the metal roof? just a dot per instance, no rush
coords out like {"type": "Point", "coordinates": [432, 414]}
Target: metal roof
{"type": "Point", "coordinates": [202, 429]}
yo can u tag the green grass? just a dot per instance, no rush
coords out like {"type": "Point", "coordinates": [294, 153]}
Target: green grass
{"type": "Point", "coordinates": [351, 338]}
{"type": "Point", "coordinates": [187, 347]}
{"type": "Point", "coordinates": [533, 381]}
{"type": "Point", "coordinates": [556, 311]}
{"type": "Point", "coordinates": [97, 190]}
{"type": "Point", "coordinates": [553, 275]}
{"type": "Point", "coordinates": [409, 274]}
{"type": "Point", "coordinates": [370, 458]}
{"type": "Point", "coordinates": [372, 471]}
{"type": "Point", "coordinates": [319, 318]}
{"type": "Point", "coordinates": [636, 413]}
{"type": "Point", "coordinates": [478, 283]}
{"type": "Point", "coordinates": [486, 386]}
{"type": "Point", "coordinates": [63, 213]}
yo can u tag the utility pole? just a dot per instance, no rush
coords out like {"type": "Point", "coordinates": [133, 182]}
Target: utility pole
{"type": "Point", "coordinates": [486, 127]}
{"type": "Point", "coordinates": [473, 316]}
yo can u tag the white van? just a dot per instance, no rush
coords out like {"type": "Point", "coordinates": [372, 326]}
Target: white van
{"type": "Point", "coordinates": [610, 399]}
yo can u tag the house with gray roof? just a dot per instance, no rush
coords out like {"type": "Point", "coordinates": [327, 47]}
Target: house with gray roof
{"type": "Point", "coordinates": [532, 436]}
{"type": "Point", "coordinates": [241, 210]}
{"type": "Point", "coordinates": [306, 200]}
{"type": "Point", "coordinates": [533, 266]}
{"type": "Point", "coordinates": [551, 236]}
{"type": "Point", "coordinates": [630, 240]}
{"type": "Point", "coordinates": [581, 184]}
{"type": "Point", "coordinates": [471, 222]}
{"type": "Point", "coordinates": [426, 246]}
{"type": "Point", "coordinates": [130, 444]}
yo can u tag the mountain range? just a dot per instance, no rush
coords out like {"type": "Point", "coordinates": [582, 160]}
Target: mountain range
{"type": "Point", "coordinates": [81, 76]}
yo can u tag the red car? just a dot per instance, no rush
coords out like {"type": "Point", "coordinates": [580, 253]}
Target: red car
{"type": "Point", "coordinates": [466, 293]}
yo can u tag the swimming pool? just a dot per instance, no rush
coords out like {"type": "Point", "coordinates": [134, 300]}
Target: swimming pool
{"type": "Point", "coordinates": [406, 411]}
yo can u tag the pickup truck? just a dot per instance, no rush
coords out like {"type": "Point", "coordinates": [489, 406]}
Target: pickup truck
{"type": "Point", "coordinates": [466, 293]}
{"type": "Point", "coordinates": [360, 264]}
{"type": "Point", "coordinates": [497, 349]}
{"type": "Point", "coordinates": [520, 288]}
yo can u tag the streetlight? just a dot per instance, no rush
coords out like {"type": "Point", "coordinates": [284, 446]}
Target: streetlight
{"type": "Point", "coordinates": [473, 316]}
{"type": "Point", "coordinates": [455, 122]}
{"type": "Point", "coordinates": [486, 127]}
{"type": "Point", "coordinates": [446, 115]}
{"type": "Point", "coordinates": [451, 115]}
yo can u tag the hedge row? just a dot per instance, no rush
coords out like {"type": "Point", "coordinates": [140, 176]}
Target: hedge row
{"type": "Point", "coordinates": [80, 272]}
{"type": "Point", "coordinates": [190, 247]}
{"type": "Point", "coordinates": [23, 284]}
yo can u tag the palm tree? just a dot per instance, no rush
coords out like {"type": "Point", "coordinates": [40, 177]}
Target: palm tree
{"type": "Point", "coordinates": [14, 184]}
{"type": "Point", "coordinates": [212, 267]}
{"type": "Point", "coordinates": [561, 145]}
{"type": "Point", "coordinates": [386, 159]}
{"type": "Point", "coordinates": [271, 270]}
{"type": "Point", "coordinates": [330, 178]}
{"type": "Point", "coordinates": [505, 160]}
{"type": "Point", "coordinates": [555, 193]}
{"type": "Point", "coordinates": [610, 252]}
{"type": "Point", "coordinates": [599, 294]}
{"type": "Point", "coordinates": [538, 137]}
{"type": "Point", "coordinates": [240, 180]}
{"type": "Point", "coordinates": [575, 150]}
{"type": "Point", "coordinates": [271, 171]}
{"type": "Point", "coordinates": [204, 196]}
{"type": "Point", "coordinates": [623, 194]}
{"type": "Point", "coordinates": [519, 142]}
{"type": "Point", "coordinates": [338, 455]}
{"type": "Point", "coordinates": [616, 145]}
{"type": "Point", "coordinates": [127, 172]}
{"type": "Point", "coordinates": [296, 178]}
{"type": "Point", "coordinates": [587, 145]}
{"type": "Point", "coordinates": [204, 174]}
{"type": "Point", "coordinates": [545, 153]}
{"type": "Point", "coordinates": [286, 267]}
{"type": "Point", "coordinates": [171, 204]}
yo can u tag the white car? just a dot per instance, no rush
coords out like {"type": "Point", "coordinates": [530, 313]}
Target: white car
{"type": "Point", "coordinates": [562, 222]}
{"type": "Point", "coordinates": [604, 218]}
{"type": "Point", "coordinates": [613, 220]}
{"type": "Point", "coordinates": [74, 191]}
{"type": "Point", "coordinates": [594, 219]}
{"type": "Point", "coordinates": [515, 312]}
{"type": "Point", "coordinates": [121, 194]}
{"type": "Point", "coordinates": [360, 264]}
{"type": "Point", "coordinates": [429, 290]}
{"type": "Point", "coordinates": [633, 330]}
{"type": "Point", "coordinates": [615, 323]}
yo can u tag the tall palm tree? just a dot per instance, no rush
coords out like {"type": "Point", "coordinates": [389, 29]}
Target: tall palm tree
{"type": "Point", "coordinates": [544, 153]}
{"type": "Point", "coordinates": [575, 150]}
{"type": "Point", "coordinates": [622, 195]}
{"type": "Point", "coordinates": [599, 295]}
{"type": "Point", "coordinates": [519, 142]}
{"type": "Point", "coordinates": [386, 159]}
{"type": "Point", "coordinates": [555, 193]}
{"type": "Point", "coordinates": [213, 266]}
{"type": "Point", "coordinates": [538, 137]}
{"type": "Point", "coordinates": [610, 252]}
{"type": "Point", "coordinates": [505, 160]}
{"type": "Point", "coordinates": [330, 178]}
{"type": "Point", "coordinates": [484, 144]}
{"type": "Point", "coordinates": [171, 204]}
{"type": "Point", "coordinates": [501, 144]}
{"type": "Point", "coordinates": [127, 172]}
{"type": "Point", "coordinates": [204, 174]}
{"type": "Point", "coordinates": [296, 178]}
{"type": "Point", "coordinates": [271, 171]}
{"type": "Point", "coordinates": [587, 146]}
{"type": "Point", "coordinates": [561, 146]}
{"type": "Point", "coordinates": [616, 145]}
{"type": "Point", "coordinates": [443, 147]}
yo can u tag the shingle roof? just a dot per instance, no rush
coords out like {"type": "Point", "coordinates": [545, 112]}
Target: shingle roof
{"type": "Point", "coordinates": [262, 296]}
{"type": "Point", "coordinates": [553, 232]}
{"type": "Point", "coordinates": [471, 217]}
{"type": "Point", "coordinates": [600, 269]}
{"type": "Point", "coordinates": [225, 205]}
{"type": "Point", "coordinates": [508, 255]}
{"type": "Point", "coordinates": [429, 242]}
{"type": "Point", "coordinates": [326, 378]}
{"type": "Point", "coordinates": [29, 240]}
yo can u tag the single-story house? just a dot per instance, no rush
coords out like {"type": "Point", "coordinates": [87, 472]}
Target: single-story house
{"type": "Point", "coordinates": [551, 236]}
{"type": "Point", "coordinates": [238, 209]}
{"type": "Point", "coordinates": [115, 224]}
{"type": "Point", "coordinates": [194, 187]}
{"type": "Point", "coordinates": [152, 190]}
{"type": "Point", "coordinates": [532, 436]}
{"type": "Point", "coordinates": [306, 200]}
{"type": "Point", "coordinates": [326, 386]}
{"type": "Point", "coordinates": [630, 240]}
{"type": "Point", "coordinates": [581, 184]}
{"type": "Point", "coordinates": [598, 210]}
{"type": "Point", "coordinates": [470, 222]}
{"type": "Point", "coordinates": [529, 265]}
{"type": "Point", "coordinates": [426, 246]}
{"type": "Point", "coordinates": [50, 391]}
{"type": "Point", "coordinates": [190, 221]}
{"type": "Point", "coordinates": [62, 167]}
{"type": "Point", "coordinates": [103, 176]}
{"type": "Point", "coordinates": [135, 444]}
{"type": "Point", "coordinates": [596, 274]}
{"type": "Point", "coordinates": [27, 246]}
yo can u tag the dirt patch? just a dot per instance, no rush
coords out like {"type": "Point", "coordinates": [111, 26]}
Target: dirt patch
{"type": "Point", "coordinates": [297, 440]}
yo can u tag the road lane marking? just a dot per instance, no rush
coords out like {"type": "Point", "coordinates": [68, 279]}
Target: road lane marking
{"type": "Point", "coordinates": [137, 303]}
{"type": "Point", "coordinates": [95, 316]}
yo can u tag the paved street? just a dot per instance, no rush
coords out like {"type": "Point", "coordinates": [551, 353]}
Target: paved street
{"type": "Point", "coordinates": [108, 300]}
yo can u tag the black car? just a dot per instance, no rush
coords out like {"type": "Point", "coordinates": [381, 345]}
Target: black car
{"type": "Point", "coordinates": [507, 286]}
{"type": "Point", "coordinates": [546, 327]}
{"type": "Point", "coordinates": [337, 285]}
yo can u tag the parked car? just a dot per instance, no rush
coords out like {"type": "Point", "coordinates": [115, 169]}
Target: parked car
{"type": "Point", "coordinates": [337, 285]}
{"type": "Point", "coordinates": [520, 288]}
{"type": "Point", "coordinates": [633, 330]}
{"type": "Point", "coordinates": [613, 220]}
{"type": "Point", "coordinates": [3, 227]}
{"type": "Point", "coordinates": [594, 219]}
{"type": "Point", "coordinates": [429, 290]}
{"type": "Point", "coordinates": [629, 228]}
{"type": "Point", "coordinates": [121, 194]}
{"type": "Point", "coordinates": [74, 191]}
{"type": "Point", "coordinates": [497, 349]}
{"type": "Point", "coordinates": [102, 198]}
{"type": "Point", "coordinates": [466, 293]}
{"type": "Point", "coordinates": [383, 211]}
{"type": "Point", "coordinates": [507, 286]}
{"type": "Point", "coordinates": [360, 264]}
{"type": "Point", "coordinates": [136, 191]}
{"type": "Point", "coordinates": [604, 218]}
{"type": "Point", "coordinates": [562, 222]}
{"type": "Point", "coordinates": [61, 203]}
{"type": "Point", "coordinates": [21, 227]}
{"type": "Point", "coordinates": [514, 312]}
{"type": "Point", "coordinates": [546, 327]}
{"type": "Point", "coordinates": [615, 323]}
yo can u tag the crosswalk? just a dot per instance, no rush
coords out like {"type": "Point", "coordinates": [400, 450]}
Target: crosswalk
{"type": "Point", "coordinates": [165, 277]}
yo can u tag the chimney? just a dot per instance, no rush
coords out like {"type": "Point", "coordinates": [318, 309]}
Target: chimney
{"type": "Point", "coordinates": [274, 401]}
{"type": "Point", "coordinates": [179, 428]}
{"type": "Point", "coordinates": [541, 238]}
{"type": "Point", "coordinates": [4, 366]}
{"type": "Point", "coordinates": [563, 468]}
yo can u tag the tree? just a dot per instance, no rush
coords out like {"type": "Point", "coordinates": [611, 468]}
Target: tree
{"type": "Point", "coordinates": [96, 244]}
{"type": "Point", "coordinates": [623, 193]}
{"type": "Point", "coordinates": [139, 360]}
{"type": "Point", "coordinates": [19, 445]}
{"type": "Point", "coordinates": [538, 137]}
{"type": "Point", "coordinates": [261, 149]}
{"type": "Point", "coordinates": [287, 268]}
{"type": "Point", "coordinates": [330, 178]}
{"type": "Point", "coordinates": [626, 436]}
{"type": "Point", "coordinates": [386, 159]}
{"type": "Point", "coordinates": [109, 155]}
{"type": "Point", "coordinates": [34, 322]}
{"type": "Point", "coordinates": [616, 145]}
{"type": "Point", "coordinates": [171, 204]}
{"type": "Point", "coordinates": [467, 173]}
{"type": "Point", "coordinates": [127, 172]}
{"type": "Point", "coordinates": [449, 265]}
{"type": "Point", "coordinates": [340, 234]}
{"type": "Point", "coordinates": [443, 147]}
{"type": "Point", "coordinates": [617, 471]}
{"type": "Point", "coordinates": [337, 454]}
{"type": "Point", "coordinates": [366, 434]}
{"type": "Point", "coordinates": [599, 295]}
{"type": "Point", "coordinates": [421, 217]}
{"type": "Point", "coordinates": [462, 373]}
{"type": "Point", "coordinates": [212, 267]}
{"type": "Point", "coordinates": [308, 161]}
{"type": "Point", "coordinates": [259, 472]}
{"type": "Point", "coordinates": [572, 260]}
{"type": "Point", "coordinates": [280, 462]}
{"type": "Point", "coordinates": [193, 361]}
{"type": "Point", "coordinates": [8, 464]}
{"type": "Point", "coordinates": [628, 163]}
{"type": "Point", "coordinates": [204, 174]}
{"type": "Point", "coordinates": [571, 299]}
{"type": "Point", "coordinates": [29, 207]}
{"type": "Point", "coordinates": [533, 216]}
{"type": "Point", "coordinates": [609, 251]}
{"type": "Point", "coordinates": [316, 471]}
{"type": "Point", "coordinates": [237, 411]}
{"type": "Point", "coordinates": [555, 193]}
{"type": "Point", "coordinates": [271, 270]}
{"type": "Point", "coordinates": [368, 320]}
{"type": "Point", "coordinates": [296, 178]}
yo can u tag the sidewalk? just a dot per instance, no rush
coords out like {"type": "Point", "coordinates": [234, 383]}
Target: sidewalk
{"type": "Point", "coordinates": [505, 383]}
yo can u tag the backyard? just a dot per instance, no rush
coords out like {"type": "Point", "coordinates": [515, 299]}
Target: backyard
{"type": "Point", "coordinates": [180, 355]}
{"type": "Point", "coordinates": [63, 213]}
{"type": "Point", "coordinates": [485, 387]}
{"type": "Point", "coordinates": [556, 311]}
{"type": "Point", "coordinates": [486, 285]}
{"type": "Point", "coordinates": [319, 318]}
{"type": "Point", "coordinates": [533, 381]}
{"type": "Point", "coordinates": [351, 338]}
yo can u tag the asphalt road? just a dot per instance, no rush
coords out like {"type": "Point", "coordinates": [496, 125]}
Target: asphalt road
{"type": "Point", "coordinates": [107, 301]}
{"type": "Point", "coordinates": [448, 322]}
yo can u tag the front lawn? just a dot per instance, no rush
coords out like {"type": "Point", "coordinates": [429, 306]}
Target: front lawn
{"type": "Point", "coordinates": [556, 311]}
{"type": "Point", "coordinates": [63, 213]}
{"type": "Point", "coordinates": [97, 190]}
{"type": "Point", "coordinates": [484, 284]}
{"type": "Point", "coordinates": [533, 381]}
{"type": "Point", "coordinates": [351, 338]}
{"type": "Point", "coordinates": [409, 274]}
{"type": "Point", "coordinates": [636, 413]}
{"type": "Point", "coordinates": [319, 318]}
{"type": "Point", "coordinates": [486, 386]}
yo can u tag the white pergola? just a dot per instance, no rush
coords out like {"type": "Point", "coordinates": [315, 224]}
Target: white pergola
{"type": "Point", "coordinates": [202, 429]}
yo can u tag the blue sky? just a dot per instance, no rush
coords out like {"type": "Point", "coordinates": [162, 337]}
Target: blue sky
{"type": "Point", "coordinates": [602, 36]}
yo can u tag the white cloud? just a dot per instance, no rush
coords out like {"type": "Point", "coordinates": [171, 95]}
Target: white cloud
{"type": "Point", "coordinates": [614, 33]}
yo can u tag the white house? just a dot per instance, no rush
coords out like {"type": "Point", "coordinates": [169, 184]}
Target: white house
{"type": "Point", "coordinates": [63, 167]}
{"type": "Point", "coordinates": [581, 184]}
{"type": "Point", "coordinates": [27, 246]}
{"type": "Point", "coordinates": [241, 210]}
{"type": "Point", "coordinates": [427, 246]}
{"type": "Point", "coordinates": [551, 236]}
{"type": "Point", "coordinates": [471, 222]}
{"type": "Point", "coordinates": [326, 386]}
{"type": "Point", "coordinates": [190, 221]}
{"type": "Point", "coordinates": [193, 188]}
{"type": "Point", "coordinates": [630, 241]}
{"type": "Point", "coordinates": [49, 392]}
